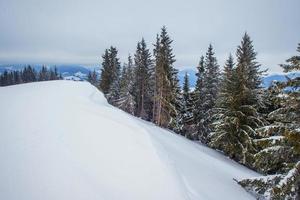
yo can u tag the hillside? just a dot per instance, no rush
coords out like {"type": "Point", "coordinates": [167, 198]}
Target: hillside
{"type": "Point", "coordinates": [62, 140]}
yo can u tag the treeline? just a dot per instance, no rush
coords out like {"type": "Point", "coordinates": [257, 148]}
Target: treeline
{"type": "Point", "coordinates": [228, 110]}
{"type": "Point", "coordinates": [27, 75]}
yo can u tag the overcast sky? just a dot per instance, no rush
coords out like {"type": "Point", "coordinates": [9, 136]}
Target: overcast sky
{"type": "Point", "coordinates": [77, 32]}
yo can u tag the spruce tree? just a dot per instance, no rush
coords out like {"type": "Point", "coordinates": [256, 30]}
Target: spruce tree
{"type": "Point", "coordinates": [209, 95]}
{"type": "Point", "coordinates": [113, 94]}
{"type": "Point", "coordinates": [53, 74]}
{"type": "Point", "coordinates": [282, 131]}
{"type": "Point", "coordinates": [198, 98]}
{"type": "Point", "coordinates": [293, 65]}
{"type": "Point", "coordinates": [279, 142]}
{"type": "Point", "coordinates": [29, 74]}
{"type": "Point", "coordinates": [246, 61]}
{"type": "Point", "coordinates": [126, 100]}
{"type": "Point", "coordinates": [237, 114]}
{"type": "Point", "coordinates": [142, 85]}
{"type": "Point", "coordinates": [10, 78]}
{"type": "Point", "coordinates": [186, 109]}
{"type": "Point", "coordinates": [89, 77]}
{"type": "Point", "coordinates": [166, 85]}
{"type": "Point", "coordinates": [4, 78]}
{"type": "Point", "coordinates": [92, 78]}
{"type": "Point", "coordinates": [17, 77]}
{"type": "Point", "coordinates": [44, 74]}
{"type": "Point", "coordinates": [110, 71]}
{"type": "Point", "coordinates": [176, 102]}
{"type": "Point", "coordinates": [105, 80]}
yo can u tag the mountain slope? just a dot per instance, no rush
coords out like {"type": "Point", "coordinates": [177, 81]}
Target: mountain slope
{"type": "Point", "coordinates": [61, 140]}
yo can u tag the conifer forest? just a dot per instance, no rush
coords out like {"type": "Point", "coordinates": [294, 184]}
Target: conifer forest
{"type": "Point", "coordinates": [228, 110]}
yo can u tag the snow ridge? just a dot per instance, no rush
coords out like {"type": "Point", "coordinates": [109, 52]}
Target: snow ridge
{"type": "Point", "coordinates": [62, 140]}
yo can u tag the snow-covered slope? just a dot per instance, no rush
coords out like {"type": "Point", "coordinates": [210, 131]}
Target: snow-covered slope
{"type": "Point", "coordinates": [61, 140]}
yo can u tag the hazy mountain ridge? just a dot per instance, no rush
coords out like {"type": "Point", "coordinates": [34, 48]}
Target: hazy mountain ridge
{"type": "Point", "coordinates": [80, 72]}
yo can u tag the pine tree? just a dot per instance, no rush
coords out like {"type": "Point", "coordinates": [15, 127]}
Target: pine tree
{"type": "Point", "coordinates": [187, 119]}
{"type": "Point", "coordinates": [237, 114]}
{"type": "Point", "coordinates": [29, 74]}
{"type": "Point", "coordinates": [176, 102]}
{"type": "Point", "coordinates": [126, 101]}
{"type": "Point", "coordinates": [279, 142]}
{"type": "Point", "coordinates": [294, 83]}
{"type": "Point", "coordinates": [44, 75]}
{"type": "Point", "coordinates": [293, 64]}
{"type": "Point", "coordinates": [105, 79]}
{"type": "Point", "coordinates": [227, 80]}
{"type": "Point", "coordinates": [246, 61]}
{"type": "Point", "coordinates": [155, 86]}
{"type": "Point", "coordinates": [143, 76]}
{"type": "Point", "coordinates": [209, 94]}
{"type": "Point", "coordinates": [53, 74]}
{"type": "Point", "coordinates": [276, 186]}
{"type": "Point", "coordinates": [4, 78]}
{"type": "Point", "coordinates": [113, 94]}
{"type": "Point", "coordinates": [89, 77]}
{"type": "Point", "coordinates": [110, 71]}
{"type": "Point", "coordinates": [284, 148]}
{"type": "Point", "coordinates": [198, 97]}
{"type": "Point", "coordinates": [17, 77]}
{"type": "Point", "coordinates": [166, 88]}
{"type": "Point", "coordinates": [229, 135]}
{"type": "Point", "coordinates": [10, 78]}
{"type": "Point", "coordinates": [57, 74]}
{"type": "Point", "coordinates": [92, 78]}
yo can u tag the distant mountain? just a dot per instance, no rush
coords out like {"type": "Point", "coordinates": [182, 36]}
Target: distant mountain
{"type": "Point", "coordinates": [80, 72]}
{"type": "Point", "coordinates": [267, 80]}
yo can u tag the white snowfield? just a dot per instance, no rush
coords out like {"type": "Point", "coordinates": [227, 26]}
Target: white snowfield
{"type": "Point", "coordinates": [61, 140]}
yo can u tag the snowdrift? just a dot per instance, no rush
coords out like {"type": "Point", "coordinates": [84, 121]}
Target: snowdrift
{"type": "Point", "coordinates": [62, 140]}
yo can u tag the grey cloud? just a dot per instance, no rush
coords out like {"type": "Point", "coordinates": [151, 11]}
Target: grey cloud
{"type": "Point", "coordinates": [65, 31]}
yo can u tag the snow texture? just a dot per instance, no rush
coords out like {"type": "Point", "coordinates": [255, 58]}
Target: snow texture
{"type": "Point", "coordinates": [61, 140]}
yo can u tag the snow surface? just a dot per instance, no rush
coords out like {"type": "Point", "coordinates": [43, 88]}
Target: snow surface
{"type": "Point", "coordinates": [61, 140]}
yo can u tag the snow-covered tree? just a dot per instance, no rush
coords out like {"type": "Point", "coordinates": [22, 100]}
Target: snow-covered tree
{"type": "Point", "coordinates": [278, 144]}
{"type": "Point", "coordinates": [17, 77]}
{"type": "Point", "coordinates": [209, 93]}
{"type": "Point", "coordinates": [176, 103]}
{"type": "Point", "coordinates": [113, 95]}
{"type": "Point", "coordinates": [110, 72]}
{"type": "Point", "coordinates": [53, 74]}
{"type": "Point", "coordinates": [198, 98]}
{"type": "Point", "coordinates": [246, 62]}
{"type": "Point", "coordinates": [29, 74]}
{"type": "Point", "coordinates": [126, 99]}
{"type": "Point", "coordinates": [44, 74]}
{"type": "Point", "coordinates": [143, 74]}
{"type": "Point", "coordinates": [110, 76]}
{"type": "Point", "coordinates": [237, 116]}
{"type": "Point", "coordinates": [277, 186]}
{"type": "Point", "coordinates": [92, 77]}
{"type": "Point", "coordinates": [186, 113]}
{"type": "Point", "coordinates": [166, 83]}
